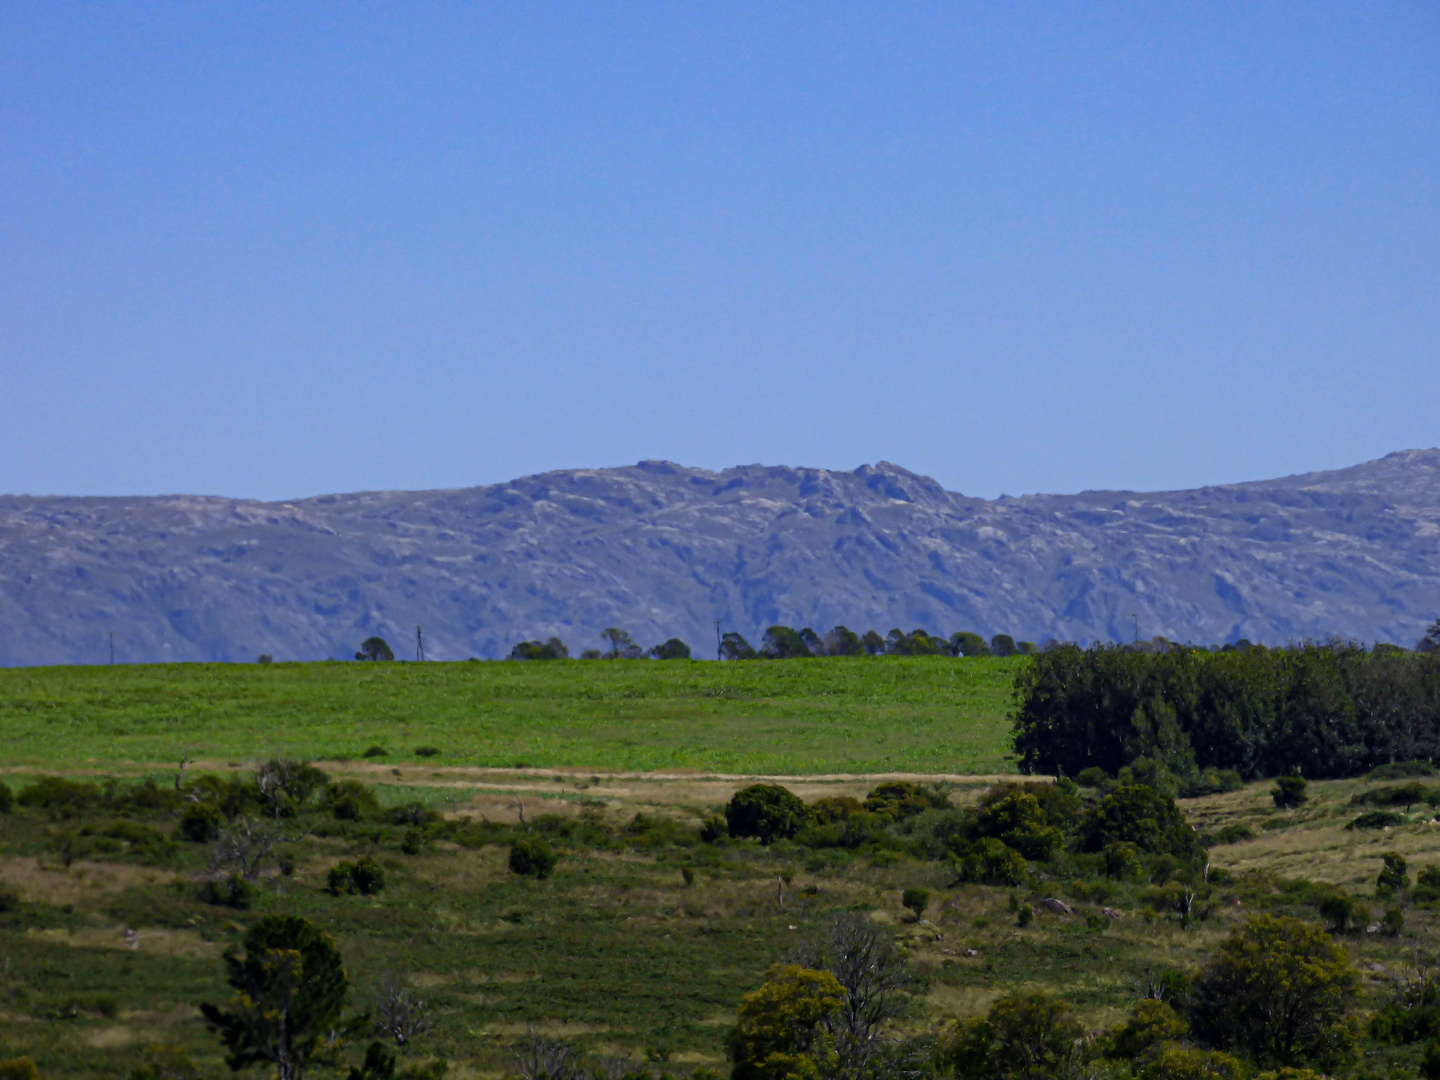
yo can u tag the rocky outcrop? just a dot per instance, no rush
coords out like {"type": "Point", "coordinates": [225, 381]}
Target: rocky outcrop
{"type": "Point", "coordinates": [665, 550]}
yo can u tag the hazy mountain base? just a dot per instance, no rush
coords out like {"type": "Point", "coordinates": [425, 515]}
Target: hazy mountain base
{"type": "Point", "coordinates": [669, 551]}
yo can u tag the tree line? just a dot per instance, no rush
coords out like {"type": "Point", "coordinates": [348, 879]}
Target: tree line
{"type": "Point", "coordinates": [787, 643]}
{"type": "Point", "coordinates": [1168, 715]}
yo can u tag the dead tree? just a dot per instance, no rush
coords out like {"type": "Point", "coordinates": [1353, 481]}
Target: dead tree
{"type": "Point", "coordinates": [398, 1011]}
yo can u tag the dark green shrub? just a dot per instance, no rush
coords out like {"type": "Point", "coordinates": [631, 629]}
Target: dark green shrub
{"type": "Point", "coordinates": [674, 649]}
{"type": "Point", "coordinates": [687, 875]}
{"type": "Point", "coordinates": [1377, 819]}
{"type": "Point", "coordinates": [350, 800]}
{"type": "Point", "coordinates": [1135, 814]}
{"type": "Point", "coordinates": [768, 812]}
{"type": "Point", "coordinates": [831, 809]}
{"type": "Point", "coordinates": [532, 857]}
{"type": "Point", "coordinates": [1393, 923]}
{"type": "Point", "coordinates": [915, 900]}
{"type": "Point", "coordinates": [413, 813]}
{"type": "Point", "coordinates": [713, 829]}
{"type": "Point", "coordinates": [7, 798]}
{"type": "Point", "coordinates": [1018, 821]}
{"type": "Point", "coordinates": [1122, 861]}
{"type": "Point", "coordinates": [375, 751]}
{"type": "Point", "coordinates": [1406, 795]}
{"type": "Point", "coordinates": [1401, 770]}
{"type": "Point", "coordinates": [412, 843]}
{"type": "Point", "coordinates": [1094, 776]}
{"type": "Point", "coordinates": [201, 823]}
{"type": "Point", "coordinates": [60, 797]}
{"type": "Point", "coordinates": [1232, 834]}
{"type": "Point", "coordinates": [427, 751]}
{"type": "Point", "coordinates": [1025, 916]}
{"type": "Point", "coordinates": [364, 876]}
{"type": "Point", "coordinates": [901, 799]}
{"type": "Point", "coordinates": [1289, 791]}
{"type": "Point", "coordinates": [1342, 913]}
{"type": "Point", "coordinates": [989, 862]}
{"type": "Point", "coordinates": [1394, 875]}
{"type": "Point", "coordinates": [232, 892]}
{"type": "Point", "coordinates": [9, 898]}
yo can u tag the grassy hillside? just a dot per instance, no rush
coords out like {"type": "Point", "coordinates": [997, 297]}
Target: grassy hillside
{"type": "Point", "coordinates": [884, 714]}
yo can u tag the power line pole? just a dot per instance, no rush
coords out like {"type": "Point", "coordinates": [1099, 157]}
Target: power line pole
{"type": "Point", "coordinates": [1137, 625]}
{"type": "Point", "coordinates": [717, 641]}
{"type": "Point", "coordinates": [419, 646]}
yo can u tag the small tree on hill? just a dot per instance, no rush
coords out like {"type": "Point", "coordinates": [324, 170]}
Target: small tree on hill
{"type": "Point", "coordinates": [1002, 645]}
{"type": "Point", "coordinates": [784, 643]}
{"type": "Point", "coordinates": [622, 646]}
{"type": "Point", "coordinates": [289, 989]}
{"type": "Point", "coordinates": [734, 647]}
{"type": "Point", "coordinates": [873, 642]}
{"type": "Point", "coordinates": [1024, 1036]}
{"type": "Point", "coordinates": [674, 649]}
{"type": "Point", "coordinates": [374, 648]}
{"type": "Point", "coordinates": [966, 643]}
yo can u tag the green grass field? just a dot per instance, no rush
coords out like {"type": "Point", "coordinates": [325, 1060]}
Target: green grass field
{"type": "Point", "coordinates": [883, 714]}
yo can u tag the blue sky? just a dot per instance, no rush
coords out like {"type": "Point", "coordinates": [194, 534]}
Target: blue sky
{"type": "Point", "coordinates": [285, 249]}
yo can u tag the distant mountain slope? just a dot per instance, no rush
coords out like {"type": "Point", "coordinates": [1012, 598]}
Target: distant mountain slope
{"type": "Point", "coordinates": [665, 550]}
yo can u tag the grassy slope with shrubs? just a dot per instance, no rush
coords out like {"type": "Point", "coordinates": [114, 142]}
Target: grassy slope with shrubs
{"type": "Point", "coordinates": [881, 714]}
{"type": "Point", "coordinates": [615, 948]}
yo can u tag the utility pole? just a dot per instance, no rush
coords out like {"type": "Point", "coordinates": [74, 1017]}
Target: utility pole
{"type": "Point", "coordinates": [112, 646]}
{"type": "Point", "coordinates": [717, 640]}
{"type": "Point", "coordinates": [1137, 625]}
{"type": "Point", "coordinates": [419, 646]}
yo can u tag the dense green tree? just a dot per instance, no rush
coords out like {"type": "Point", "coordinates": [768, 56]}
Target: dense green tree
{"type": "Point", "coordinates": [767, 812]}
{"type": "Point", "coordinates": [374, 648]}
{"type": "Point", "coordinates": [1280, 990]}
{"type": "Point", "coordinates": [289, 990]}
{"type": "Point", "coordinates": [1135, 814]}
{"type": "Point", "coordinates": [549, 649]}
{"type": "Point", "coordinates": [783, 1028]}
{"type": "Point", "coordinates": [1023, 1037]}
{"type": "Point", "coordinates": [1018, 821]}
{"type": "Point", "coordinates": [532, 856]}
{"type": "Point", "coordinates": [897, 800]}
{"type": "Point", "coordinates": [1002, 645]}
{"type": "Point", "coordinates": [734, 647]}
{"type": "Point", "coordinates": [842, 641]}
{"type": "Point", "coordinates": [873, 642]}
{"type": "Point", "coordinates": [966, 643]}
{"type": "Point", "coordinates": [674, 649]}
{"type": "Point", "coordinates": [784, 643]}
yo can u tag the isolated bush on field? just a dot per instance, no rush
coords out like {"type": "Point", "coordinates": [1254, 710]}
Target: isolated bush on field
{"type": "Point", "coordinates": [364, 876]}
{"type": "Point", "coordinates": [285, 787]}
{"type": "Point", "coordinates": [532, 857]}
{"type": "Point", "coordinates": [1289, 791]}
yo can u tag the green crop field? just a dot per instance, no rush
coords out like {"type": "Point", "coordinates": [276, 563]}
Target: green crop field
{"type": "Point", "coordinates": [863, 715]}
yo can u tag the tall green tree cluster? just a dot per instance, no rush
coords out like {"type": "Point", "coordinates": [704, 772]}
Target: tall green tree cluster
{"type": "Point", "coordinates": [1320, 710]}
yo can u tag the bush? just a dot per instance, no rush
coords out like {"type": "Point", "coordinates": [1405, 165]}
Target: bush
{"type": "Point", "coordinates": [20, 1068]}
{"type": "Point", "coordinates": [1179, 1063]}
{"type": "Point", "coordinates": [413, 813]}
{"type": "Point", "coordinates": [375, 751]}
{"type": "Point", "coordinates": [1122, 861]}
{"type": "Point", "coordinates": [1280, 990]}
{"type": "Point", "coordinates": [364, 876]}
{"type": "Point", "coordinates": [1017, 820]}
{"type": "Point", "coordinates": [9, 898]}
{"type": "Point", "coordinates": [901, 799]}
{"type": "Point", "coordinates": [201, 823]}
{"type": "Point", "coordinates": [832, 809]}
{"type": "Point", "coordinates": [1394, 875]}
{"type": "Point", "coordinates": [1094, 776]}
{"type": "Point", "coordinates": [350, 800]}
{"type": "Point", "coordinates": [714, 829]}
{"type": "Point", "coordinates": [7, 798]}
{"type": "Point", "coordinates": [532, 857]}
{"type": "Point", "coordinates": [1151, 1023]}
{"type": "Point", "coordinates": [1393, 922]}
{"type": "Point", "coordinates": [427, 751]}
{"type": "Point", "coordinates": [1377, 819]}
{"type": "Point", "coordinates": [1342, 913]}
{"type": "Point", "coordinates": [766, 811]}
{"type": "Point", "coordinates": [1401, 770]}
{"type": "Point", "coordinates": [1023, 1035]}
{"type": "Point", "coordinates": [1135, 814]}
{"type": "Point", "coordinates": [232, 891]}
{"type": "Point", "coordinates": [916, 901]}
{"type": "Point", "coordinates": [782, 1032]}
{"type": "Point", "coordinates": [61, 797]}
{"type": "Point", "coordinates": [1289, 791]}
{"type": "Point", "coordinates": [1233, 834]}
{"type": "Point", "coordinates": [989, 862]}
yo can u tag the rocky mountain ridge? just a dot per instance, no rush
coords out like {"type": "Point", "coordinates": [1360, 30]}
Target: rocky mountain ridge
{"type": "Point", "coordinates": [666, 550]}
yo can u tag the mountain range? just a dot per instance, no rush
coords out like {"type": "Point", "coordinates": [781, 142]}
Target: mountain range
{"type": "Point", "coordinates": [664, 550]}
